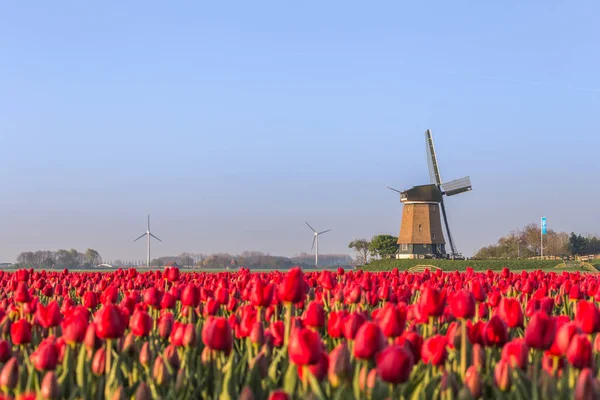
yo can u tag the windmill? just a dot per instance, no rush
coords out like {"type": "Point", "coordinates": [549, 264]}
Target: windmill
{"type": "Point", "coordinates": [421, 232]}
{"type": "Point", "coordinates": [149, 234]}
{"type": "Point", "coordinates": [315, 243]}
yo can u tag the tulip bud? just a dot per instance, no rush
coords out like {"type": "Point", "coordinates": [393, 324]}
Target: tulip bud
{"type": "Point", "coordinates": [9, 377]}
{"type": "Point", "coordinates": [340, 368]}
{"type": "Point", "coordinates": [119, 394]}
{"type": "Point", "coordinates": [143, 392]}
{"type": "Point", "coordinates": [180, 380]}
{"type": "Point", "coordinates": [478, 357]}
{"type": "Point", "coordinates": [160, 372]}
{"type": "Point", "coordinates": [206, 355]}
{"type": "Point", "coordinates": [247, 394]}
{"type": "Point", "coordinates": [171, 356]}
{"type": "Point", "coordinates": [473, 381]}
{"type": "Point", "coordinates": [145, 354]}
{"type": "Point", "coordinates": [257, 334]}
{"type": "Point", "coordinates": [449, 383]}
{"type": "Point", "coordinates": [261, 362]}
{"type": "Point", "coordinates": [91, 340]}
{"type": "Point", "coordinates": [279, 395]}
{"type": "Point", "coordinates": [165, 326]}
{"type": "Point", "coordinates": [99, 362]}
{"type": "Point", "coordinates": [189, 335]}
{"type": "Point", "coordinates": [502, 375]}
{"type": "Point", "coordinates": [128, 344]}
{"type": "Point", "coordinates": [586, 386]}
{"type": "Point", "coordinates": [49, 387]}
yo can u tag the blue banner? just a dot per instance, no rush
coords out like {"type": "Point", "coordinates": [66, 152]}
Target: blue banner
{"type": "Point", "coordinates": [544, 225]}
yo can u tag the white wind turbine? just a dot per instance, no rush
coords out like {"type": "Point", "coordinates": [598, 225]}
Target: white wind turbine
{"type": "Point", "coordinates": [149, 234]}
{"type": "Point", "coordinates": [316, 242]}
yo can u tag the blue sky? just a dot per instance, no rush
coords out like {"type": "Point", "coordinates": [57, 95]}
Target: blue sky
{"type": "Point", "coordinates": [233, 123]}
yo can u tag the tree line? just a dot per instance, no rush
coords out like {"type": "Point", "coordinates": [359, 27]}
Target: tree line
{"type": "Point", "coordinates": [379, 247]}
{"type": "Point", "coordinates": [62, 258]}
{"type": "Point", "coordinates": [253, 259]}
{"type": "Point", "coordinates": [525, 243]}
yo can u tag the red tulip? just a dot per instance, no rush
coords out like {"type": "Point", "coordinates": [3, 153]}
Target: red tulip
{"type": "Point", "coordinates": [579, 353]}
{"type": "Point", "coordinates": [190, 296]}
{"type": "Point", "coordinates": [5, 351]}
{"type": "Point", "coordinates": [110, 322]}
{"type": "Point", "coordinates": [49, 316]}
{"type": "Point", "coordinates": [511, 312]}
{"type": "Point", "coordinates": [351, 325]}
{"type": "Point", "coordinates": [293, 288]}
{"type": "Point", "coordinates": [140, 323]}
{"type": "Point", "coordinates": [462, 305]}
{"type": "Point", "coordinates": [90, 300]}
{"type": "Point", "coordinates": [587, 386]}
{"type": "Point", "coordinates": [20, 332]}
{"type": "Point", "coordinates": [587, 317]}
{"type": "Point", "coordinates": [279, 395]}
{"type": "Point", "coordinates": [74, 328]}
{"type": "Point", "coordinates": [45, 357]}
{"type": "Point", "coordinates": [540, 331]}
{"type": "Point", "coordinates": [318, 370]}
{"type": "Point", "coordinates": [369, 341]}
{"type": "Point", "coordinates": [502, 375]}
{"type": "Point", "coordinates": [305, 347]}
{"type": "Point", "coordinates": [432, 302]}
{"type": "Point", "coordinates": [517, 353]}
{"type": "Point", "coordinates": [394, 364]}
{"type": "Point", "coordinates": [314, 315]}
{"type": "Point", "coordinates": [392, 320]}
{"type": "Point", "coordinates": [495, 332]}
{"type": "Point", "coordinates": [217, 335]}
{"type": "Point", "coordinates": [22, 294]}
{"type": "Point", "coordinates": [434, 350]}
{"type": "Point", "coordinates": [152, 297]}
{"type": "Point", "coordinates": [564, 334]}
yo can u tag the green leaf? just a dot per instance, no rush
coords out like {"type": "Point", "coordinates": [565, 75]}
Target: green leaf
{"type": "Point", "coordinates": [291, 379]}
{"type": "Point", "coordinates": [315, 386]}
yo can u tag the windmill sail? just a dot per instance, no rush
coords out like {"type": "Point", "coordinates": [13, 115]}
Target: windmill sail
{"type": "Point", "coordinates": [457, 186]}
{"type": "Point", "coordinates": [434, 170]}
{"type": "Point", "coordinates": [453, 250]}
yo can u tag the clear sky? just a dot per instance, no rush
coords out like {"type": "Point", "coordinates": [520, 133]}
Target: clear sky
{"type": "Point", "coordinates": [232, 123]}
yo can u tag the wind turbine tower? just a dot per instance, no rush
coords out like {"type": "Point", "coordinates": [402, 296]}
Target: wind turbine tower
{"type": "Point", "coordinates": [149, 234]}
{"type": "Point", "coordinates": [315, 243]}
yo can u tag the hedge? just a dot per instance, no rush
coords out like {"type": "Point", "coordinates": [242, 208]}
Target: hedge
{"type": "Point", "coordinates": [458, 265]}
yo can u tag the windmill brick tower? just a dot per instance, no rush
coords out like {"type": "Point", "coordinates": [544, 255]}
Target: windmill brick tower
{"type": "Point", "coordinates": [421, 234]}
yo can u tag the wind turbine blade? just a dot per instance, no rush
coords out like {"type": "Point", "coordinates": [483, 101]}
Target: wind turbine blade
{"type": "Point", "coordinates": [155, 237]}
{"type": "Point", "coordinates": [328, 230]}
{"type": "Point", "coordinates": [311, 228]}
{"type": "Point", "coordinates": [148, 222]}
{"type": "Point", "coordinates": [313, 245]}
{"type": "Point", "coordinates": [395, 190]}
{"type": "Point", "coordinates": [140, 237]}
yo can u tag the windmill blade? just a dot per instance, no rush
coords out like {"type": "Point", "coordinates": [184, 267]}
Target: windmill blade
{"type": "Point", "coordinates": [432, 163]}
{"type": "Point", "coordinates": [457, 186]}
{"type": "Point", "coordinates": [320, 233]}
{"type": "Point", "coordinates": [148, 222]}
{"type": "Point", "coordinates": [141, 237]}
{"type": "Point", "coordinates": [395, 190]}
{"type": "Point", "coordinates": [313, 244]}
{"type": "Point", "coordinates": [155, 238]}
{"type": "Point", "coordinates": [311, 228]}
{"type": "Point", "coordinates": [450, 239]}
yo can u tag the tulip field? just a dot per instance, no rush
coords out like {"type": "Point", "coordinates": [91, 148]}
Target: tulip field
{"type": "Point", "coordinates": [299, 335]}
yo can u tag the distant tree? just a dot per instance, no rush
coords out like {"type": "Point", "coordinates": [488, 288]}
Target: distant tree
{"type": "Point", "coordinates": [577, 244]}
{"type": "Point", "coordinates": [92, 258]}
{"type": "Point", "coordinates": [383, 246]}
{"type": "Point", "coordinates": [361, 247]}
{"type": "Point", "coordinates": [156, 263]}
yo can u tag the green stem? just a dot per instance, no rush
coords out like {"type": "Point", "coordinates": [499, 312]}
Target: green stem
{"type": "Point", "coordinates": [463, 348]}
{"type": "Point", "coordinates": [288, 323]}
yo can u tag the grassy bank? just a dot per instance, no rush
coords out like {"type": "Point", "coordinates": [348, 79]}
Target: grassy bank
{"type": "Point", "coordinates": [461, 265]}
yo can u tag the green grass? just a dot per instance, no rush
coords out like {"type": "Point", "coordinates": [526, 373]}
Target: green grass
{"type": "Point", "coordinates": [461, 265]}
